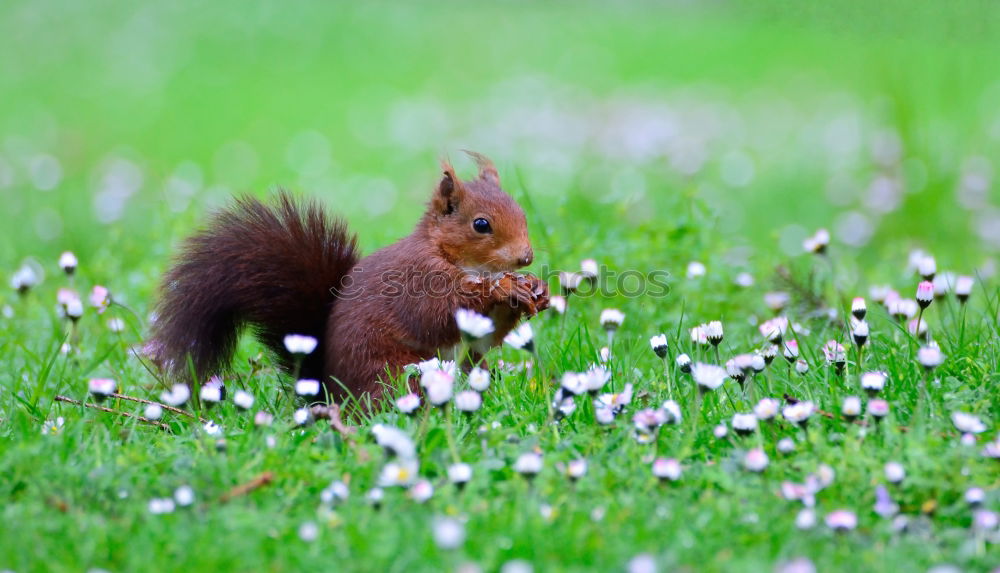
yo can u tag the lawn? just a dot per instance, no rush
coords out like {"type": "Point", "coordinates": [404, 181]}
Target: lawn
{"type": "Point", "coordinates": [644, 136]}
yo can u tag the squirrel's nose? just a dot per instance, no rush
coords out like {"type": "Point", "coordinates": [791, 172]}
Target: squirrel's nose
{"type": "Point", "coordinates": [526, 257]}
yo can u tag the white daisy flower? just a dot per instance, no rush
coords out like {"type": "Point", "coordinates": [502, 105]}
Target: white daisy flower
{"type": "Point", "coordinates": [300, 344]}
{"type": "Point", "coordinates": [243, 399]}
{"type": "Point", "coordinates": [396, 442]}
{"type": "Point", "coordinates": [479, 379]}
{"type": "Point", "coordinates": [967, 423]}
{"type": "Point", "coordinates": [528, 464]}
{"type": "Point", "coordinates": [522, 337]}
{"type": "Point", "coordinates": [449, 533]}
{"type": "Point", "coordinates": [408, 403]}
{"type": "Point", "coordinates": [307, 387]}
{"type": "Point", "coordinates": [472, 324]}
{"type": "Point", "coordinates": [468, 401]}
{"type": "Point", "coordinates": [708, 376]}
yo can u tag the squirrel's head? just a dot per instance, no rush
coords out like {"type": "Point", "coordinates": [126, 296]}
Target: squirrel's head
{"type": "Point", "coordinates": [476, 225]}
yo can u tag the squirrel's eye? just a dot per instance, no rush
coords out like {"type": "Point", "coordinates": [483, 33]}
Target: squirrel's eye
{"type": "Point", "coordinates": [481, 225]}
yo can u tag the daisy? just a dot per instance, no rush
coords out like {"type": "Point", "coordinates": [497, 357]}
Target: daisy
{"type": "Point", "coordinates": [400, 472]}
{"type": "Point", "coordinates": [766, 409]}
{"type": "Point", "coordinates": [884, 506]}
{"type": "Point", "coordinates": [73, 309]}
{"type": "Point", "coordinates": [774, 329]}
{"type": "Point", "coordinates": [659, 345]}
{"type": "Point", "coordinates": [841, 520]}
{"type": "Point", "coordinates": [210, 394]}
{"type": "Point", "coordinates": [791, 351]}
{"type": "Point", "coordinates": [53, 427]}
{"type": "Point", "coordinates": [263, 418]}
{"type": "Point", "coordinates": [744, 424]}
{"type": "Point", "coordinates": [963, 288]}
{"type": "Point", "coordinates": [851, 407]}
{"type": "Point", "coordinates": [684, 363]}
{"type": "Point", "coordinates": [930, 357]}
{"type": "Point", "coordinates": [438, 385]}
{"type": "Point", "coordinates": [974, 496]}
{"type": "Point", "coordinates": [777, 301]}
{"type": "Point", "coordinates": [557, 303]}
{"type": "Point", "coordinates": [115, 324]}
{"type": "Point", "coordinates": [394, 441]}
{"type": "Point", "coordinates": [153, 411]}
{"type": "Point", "coordinates": [878, 409]}
{"type": "Point", "coordinates": [307, 387]}
{"type": "Point", "coordinates": [570, 282]}
{"type": "Point", "coordinates": [68, 262]}
{"type": "Point", "coordinates": [572, 384]}
{"type": "Point", "coordinates": [449, 533]}
{"type": "Point", "coordinates": [618, 401]}
{"type": "Point", "coordinates": [879, 293]}
{"type": "Point", "coordinates": [375, 496]}
{"type": "Point", "coordinates": [472, 324]}
{"type": "Point", "coordinates": [101, 388]}
{"type": "Point", "coordinates": [302, 417]}
{"type": "Point", "coordinates": [858, 308]}
{"type": "Point", "coordinates": [925, 294]}
{"type": "Point", "coordinates": [801, 366]}
{"type": "Point", "coordinates": [611, 319]}
{"type": "Point", "coordinates": [967, 423]}
{"type": "Point", "coordinates": [873, 382]}
{"type": "Point", "coordinates": [576, 469]}
{"type": "Point", "coordinates": [720, 431]}
{"type": "Point", "coordinates": [212, 429]}
{"type": "Point", "coordinates": [696, 270]}
{"type": "Point", "coordinates": [479, 379]}
{"type": "Point", "coordinates": [243, 399]}
{"type": "Point", "coordinates": [744, 280]}
{"type": "Point", "coordinates": [602, 414]}
{"type": "Point", "coordinates": [184, 495]}
{"type": "Point", "coordinates": [805, 519]}
{"type": "Point", "coordinates": [522, 337]}
{"type": "Point", "coordinates": [755, 460]}
{"type": "Point", "coordinates": [177, 396]}
{"type": "Point", "coordinates": [708, 376]}
{"type": "Point", "coordinates": [160, 506]}
{"type": "Point", "coordinates": [894, 472]}
{"type": "Point", "coordinates": [769, 353]}
{"type": "Point", "coordinates": [408, 403]}
{"type": "Point", "coordinates": [667, 469]}
{"type": "Point", "coordinates": [528, 464]}
{"type": "Point", "coordinates": [595, 378]}
{"type": "Point", "coordinates": [713, 332]}
{"type": "Point", "coordinates": [859, 332]}
{"type": "Point", "coordinates": [468, 401]}
{"type": "Point", "coordinates": [799, 412]}
{"type": "Point", "coordinates": [589, 269]}
{"type": "Point", "coordinates": [835, 353]}
{"type": "Point", "coordinates": [927, 267]}
{"type": "Point", "coordinates": [786, 445]}
{"type": "Point", "coordinates": [308, 532]}
{"type": "Point", "coordinates": [24, 279]}
{"type": "Point", "coordinates": [673, 412]}
{"type": "Point", "coordinates": [300, 344]}
{"type": "Point", "coordinates": [564, 407]}
{"type": "Point", "coordinates": [699, 335]}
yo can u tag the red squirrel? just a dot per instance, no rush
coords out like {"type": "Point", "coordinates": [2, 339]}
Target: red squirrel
{"type": "Point", "coordinates": [287, 267]}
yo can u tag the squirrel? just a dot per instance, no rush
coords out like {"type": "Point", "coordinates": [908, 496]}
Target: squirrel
{"type": "Point", "coordinates": [287, 267]}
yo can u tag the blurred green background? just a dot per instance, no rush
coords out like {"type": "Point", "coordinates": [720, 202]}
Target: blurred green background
{"type": "Point", "coordinates": [120, 123]}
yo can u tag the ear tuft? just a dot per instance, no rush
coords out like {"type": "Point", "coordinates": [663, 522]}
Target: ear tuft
{"type": "Point", "coordinates": [449, 191]}
{"type": "Point", "coordinates": [487, 171]}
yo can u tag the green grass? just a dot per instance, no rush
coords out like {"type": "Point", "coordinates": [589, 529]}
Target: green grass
{"type": "Point", "coordinates": [562, 96]}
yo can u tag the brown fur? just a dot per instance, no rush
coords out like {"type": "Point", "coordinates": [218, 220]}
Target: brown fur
{"type": "Point", "coordinates": [287, 268]}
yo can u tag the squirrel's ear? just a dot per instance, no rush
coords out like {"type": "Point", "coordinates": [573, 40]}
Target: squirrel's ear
{"type": "Point", "coordinates": [450, 191]}
{"type": "Point", "coordinates": [487, 171]}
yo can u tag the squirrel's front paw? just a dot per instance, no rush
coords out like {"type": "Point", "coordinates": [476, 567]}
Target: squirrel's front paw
{"type": "Point", "coordinates": [540, 291]}
{"type": "Point", "coordinates": [516, 291]}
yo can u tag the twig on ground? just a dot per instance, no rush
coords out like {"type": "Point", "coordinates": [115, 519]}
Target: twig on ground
{"type": "Point", "coordinates": [142, 419]}
{"type": "Point", "coordinates": [248, 487]}
{"type": "Point", "coordinates": [332, 412]}
{"type": "Point", "coordinates": [162, 405]}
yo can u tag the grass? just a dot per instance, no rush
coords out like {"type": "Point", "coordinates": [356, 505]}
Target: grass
{"type": "Point", "coordinates": [203, 102]}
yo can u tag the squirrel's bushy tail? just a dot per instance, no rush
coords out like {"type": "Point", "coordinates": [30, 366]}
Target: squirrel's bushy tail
{"type": "Point", "coordinates": [270, 266]}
